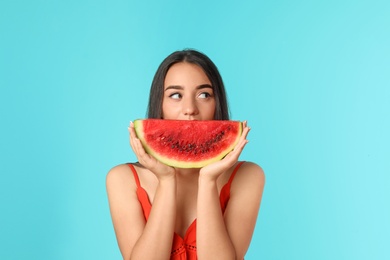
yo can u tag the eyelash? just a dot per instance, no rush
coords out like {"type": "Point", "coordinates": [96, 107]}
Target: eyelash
{"type": "Point", "coordinates": [179, 95]}
{"type": "Point", "coordinates": [173, 94]}
{"type": "Point", "coordinates": [207, 94]}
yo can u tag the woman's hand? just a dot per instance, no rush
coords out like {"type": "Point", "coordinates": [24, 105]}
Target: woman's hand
{"type": "Point", "coordinates": [214, 170]}
{"type": "Point", "coordinates": [159, 169]}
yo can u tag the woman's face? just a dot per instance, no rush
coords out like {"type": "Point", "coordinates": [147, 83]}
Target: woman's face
{"type": "Point", "coordinates": [188, 94]}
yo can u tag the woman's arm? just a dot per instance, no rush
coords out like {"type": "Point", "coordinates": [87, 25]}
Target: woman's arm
{"type": "Point", "coordinates": [136, 238]}
{"type": "Point", "coordinates": [228, 236]}
{"type": "Point", "coordinates": [157, 236]}
{"type": "Point", "coordinates": [212, 238]}
{"type": "Point", "coordinates": [243, 207]}
{"type": "Point", "coordinates": [213, 241]}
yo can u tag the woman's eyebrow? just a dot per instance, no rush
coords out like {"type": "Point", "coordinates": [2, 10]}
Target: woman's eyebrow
{"type": "Point", "coordinates": [174, 87]}
{"type": "Point", "coordinates": [204, 86]}
{"type": "Point", "coordinates": [181, 88]}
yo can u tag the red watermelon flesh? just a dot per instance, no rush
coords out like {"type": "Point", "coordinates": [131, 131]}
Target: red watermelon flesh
{"type": "Point", "coordinates": [188, 143]}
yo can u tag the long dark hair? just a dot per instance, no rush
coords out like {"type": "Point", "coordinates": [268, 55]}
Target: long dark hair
{"type": "Point", "coordinates": [194, 57]}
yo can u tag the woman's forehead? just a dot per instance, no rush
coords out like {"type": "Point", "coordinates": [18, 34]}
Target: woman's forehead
{"type": "Point", "coordinates": [186, 74]}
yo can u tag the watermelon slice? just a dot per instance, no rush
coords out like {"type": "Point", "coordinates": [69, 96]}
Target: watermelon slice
{"type": "Point", "coordinates": [188, 143]}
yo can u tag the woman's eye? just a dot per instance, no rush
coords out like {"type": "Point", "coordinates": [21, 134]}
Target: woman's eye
{"type": "Point", "coordinates": [175, 96]}
{"type": "Point", "coordinates": [204, 95]}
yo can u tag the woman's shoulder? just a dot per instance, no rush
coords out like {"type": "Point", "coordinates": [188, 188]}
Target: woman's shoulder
{"type": "Point", "coordinates": [119, 170]}
{"type": "Point", "coordinates": [120, 175]}
{"type": "Point", "coordinates": [251, 166]}
{"type": "Point", "coordinates": [249, 174]}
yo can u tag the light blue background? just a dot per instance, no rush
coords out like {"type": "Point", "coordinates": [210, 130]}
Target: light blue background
{"type": "Point", "coordinates": [311, 77]}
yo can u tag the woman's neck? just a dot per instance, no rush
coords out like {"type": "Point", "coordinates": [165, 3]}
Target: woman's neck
{"type": "Point", "coordinates": [187, 171]}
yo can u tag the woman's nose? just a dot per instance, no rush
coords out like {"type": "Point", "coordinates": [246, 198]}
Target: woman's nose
{"type": "Point", "coordinates": [189, 107]}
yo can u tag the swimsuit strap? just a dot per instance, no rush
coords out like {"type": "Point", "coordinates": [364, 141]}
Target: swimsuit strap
{"type": "Point", "coordinates": [135, 175]}
{"type": "Point", "coordinates": [225, 191]}
{"type": "Point", "coordinates": [141, 194]}
{"type": "Point", "coordinates": [229, 183]}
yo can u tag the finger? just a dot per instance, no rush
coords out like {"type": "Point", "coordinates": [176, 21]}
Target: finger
{"type": "Point", "coordinates": [239, 147]}
{"type": "Point", "coordinates": [143, 156]}
{"type": "Point", "coordinates": [136, 143]}
{"type": "Point", "coordinates": [244, 136]}
{"type": "Point", "coordinates": [130, 138]}
{"type": "Point", "coordinates": [132, 132]}
{"type": "Point", "coordinates": [139, 148]}
{"type": "Point", "coordinates": [242, 141]}
{"type": "Point", "coordinates": [132, 141]}
{"type": "Point", "coordinates": [138, 152]}
{"type": "Point", "coordinates": [246, 128]}
{"type": "Point", "coordinates": [244, 133]}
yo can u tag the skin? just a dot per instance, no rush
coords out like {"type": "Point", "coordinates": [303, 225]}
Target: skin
{"type": "Point", "coordinates": [178, 195]}
{"type": "Point", "coordinates": [188, 94]}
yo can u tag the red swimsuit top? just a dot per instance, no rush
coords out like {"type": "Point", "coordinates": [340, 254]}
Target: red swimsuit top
{"type": "Point", "coordinates": [183, 248]}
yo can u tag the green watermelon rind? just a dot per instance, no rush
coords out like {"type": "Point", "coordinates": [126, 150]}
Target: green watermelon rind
{"type": "Point", "coordinates": [183, 164]}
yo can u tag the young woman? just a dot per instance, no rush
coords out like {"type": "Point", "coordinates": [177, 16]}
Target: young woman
{"type": "Point", "coordinates": [160, 212]}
